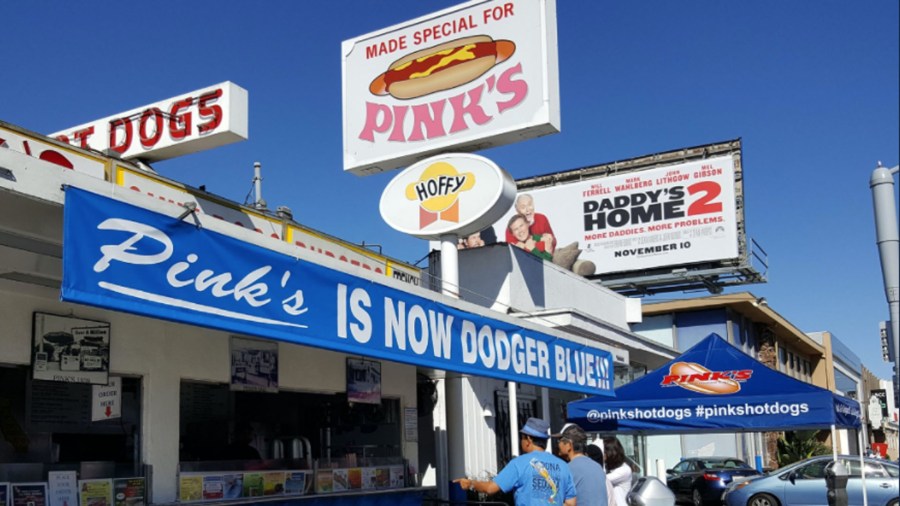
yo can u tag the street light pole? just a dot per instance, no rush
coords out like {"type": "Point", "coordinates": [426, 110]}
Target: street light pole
{"type": "Point", "coordinates": [886, 233]}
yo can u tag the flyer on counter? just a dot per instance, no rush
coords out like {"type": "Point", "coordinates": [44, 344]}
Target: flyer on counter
{"type": "Point", "coordinates": [213, 487]}
{"type": "Point", "coordinates": [130, 491]}
{"type": "Point", "coordinates": [273, 483]}
{"type": "Point", "coordinates": [190, 487]}
{"type": "Point", "coordinates": [339, 478]}
{"type": "Point", "coordinates": [368, 478]}
{"type": "Point", "coordinates": [62, 488]}
{"type": "Point", "coordinates": [253, 485]}
{"type": "Point", "coordinates": [95, 492]}
{"type": "Point", "coordinates": [324, 481]}
{"type": "Point", "coordinates": [397, 477]}
{"type": "Point", "coordinates": [234, 485]}
{"type": "Point", "coordinates": [382, 477]}
{"type": "Point", "coordinates": [354, 478]}
{"type": "Point", "coordinates": [28, 494]}
{"type": "Point", "coordinates": [294, 483]}
{"type": "Point", "coordinates": [4, 494]}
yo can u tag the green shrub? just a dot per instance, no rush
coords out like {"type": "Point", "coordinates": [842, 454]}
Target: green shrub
{"type": "Point", "coordinates": [798, 445]}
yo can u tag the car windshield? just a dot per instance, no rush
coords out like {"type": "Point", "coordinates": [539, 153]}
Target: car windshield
{"type": "Point", "coordinates": [724, 464]}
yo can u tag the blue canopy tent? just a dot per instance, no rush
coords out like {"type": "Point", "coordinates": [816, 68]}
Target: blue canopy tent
{"type": "Point", "coordinates": [715, 387]}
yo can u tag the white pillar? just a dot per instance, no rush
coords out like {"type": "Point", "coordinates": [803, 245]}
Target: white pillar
{"type": "Point", "coordinates": [442, 477]}
{"type": "Point", "coordinates": [450, 265]}
{"type": "Point", "coordinates": [661, 469]}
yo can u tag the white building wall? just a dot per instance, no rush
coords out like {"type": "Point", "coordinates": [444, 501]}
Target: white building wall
{"type": "Point", "coordinates": [516, 278]}
{"type": "Point", "coordinates": [658, 328]}
{"type": "Point", "coordinates": [665, 449]}
{"type": "Point", "coordinates": [164, 353]}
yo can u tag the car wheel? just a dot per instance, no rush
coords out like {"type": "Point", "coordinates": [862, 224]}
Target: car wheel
{"type": "Point", "coordinates": [762, 500]}
{"type": "Point", "coordinates": [696, 498]}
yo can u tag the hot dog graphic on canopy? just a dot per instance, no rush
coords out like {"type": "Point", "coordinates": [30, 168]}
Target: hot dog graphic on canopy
{"type": "Point", "coordinates": [442, 67]}
{"type": "Point", "coordinates": [695, 377]}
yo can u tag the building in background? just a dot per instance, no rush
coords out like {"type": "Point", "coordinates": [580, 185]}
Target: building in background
{"type": "Point", "coordinates": [881, 414]}
{"type": "Point", "coordinates": [843, 375]}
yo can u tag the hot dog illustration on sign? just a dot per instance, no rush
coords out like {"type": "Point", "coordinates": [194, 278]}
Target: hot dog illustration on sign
{"type": "Point", "coordinates": [693, 376]}
{"type": "Point", "coordinates": [442, 67]}
{"type": "Point", "coordinates": [437, 192]}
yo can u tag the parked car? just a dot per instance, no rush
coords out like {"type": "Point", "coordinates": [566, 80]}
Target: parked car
{"type": "Point", "coordinates": [702, 480]}
{"type": "Point", "coordinates": [803, 483]}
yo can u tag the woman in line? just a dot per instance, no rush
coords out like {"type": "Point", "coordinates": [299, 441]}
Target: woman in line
{"type": "Point", "coordinates": [617, 469]}
{"type": "Point", "coordinates": [595, 452]}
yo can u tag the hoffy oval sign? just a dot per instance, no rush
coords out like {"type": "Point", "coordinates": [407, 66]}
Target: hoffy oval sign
{"type": "Point", "coordinates": [447, 194]}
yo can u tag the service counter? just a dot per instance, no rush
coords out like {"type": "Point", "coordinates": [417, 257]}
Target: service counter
{"type": "Point", "coordinates": [396, 497]}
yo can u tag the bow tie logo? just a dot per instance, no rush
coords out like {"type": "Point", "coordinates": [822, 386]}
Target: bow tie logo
{"type": "Point", "coordinates": [437, 192]}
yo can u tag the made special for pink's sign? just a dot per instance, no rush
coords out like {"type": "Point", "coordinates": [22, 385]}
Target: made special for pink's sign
{"type": "Point", "coordinates": [473, 76]}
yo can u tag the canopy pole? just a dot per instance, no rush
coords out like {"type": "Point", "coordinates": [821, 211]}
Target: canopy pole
{"type": "Point", "coordinates": [833, 443]}
{"type": "Point", "coordinates": [862, 462]}
{"type": "Point", "coordinates": [513, 418]}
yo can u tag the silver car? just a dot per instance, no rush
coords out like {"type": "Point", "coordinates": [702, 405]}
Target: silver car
{"type": "Point", "coordinates": [803, 484]}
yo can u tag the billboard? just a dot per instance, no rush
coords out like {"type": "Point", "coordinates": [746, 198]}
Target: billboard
{"type": "Point", "coordinates": [662, 222]}
{"type": "Point", "coordinates": [470, 77]}
{"type": "Point", "coordinates": [191, 122]}
{"type": "Point", "coordinates": [671, 215]}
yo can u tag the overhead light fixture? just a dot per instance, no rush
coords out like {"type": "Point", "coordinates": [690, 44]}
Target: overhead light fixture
{"type": "Point", "coordinates": [189, 208]}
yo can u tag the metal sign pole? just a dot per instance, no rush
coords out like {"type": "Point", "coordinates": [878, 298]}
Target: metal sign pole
{"type": "Point", "coordinates": [886, 235]}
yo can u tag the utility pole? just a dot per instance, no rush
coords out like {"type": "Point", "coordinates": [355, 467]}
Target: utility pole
{"type": "Point", "coordinates": [886, 235]}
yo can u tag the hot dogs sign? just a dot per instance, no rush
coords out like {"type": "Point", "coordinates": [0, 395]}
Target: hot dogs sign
{"type": "Point", "coordinates": [473, 76]}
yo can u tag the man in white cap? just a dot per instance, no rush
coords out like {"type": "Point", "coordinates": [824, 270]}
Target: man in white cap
{"type": "Point", "coordinates": [537, 476]}
{"type": "Point", "coordinates": [589, 476]}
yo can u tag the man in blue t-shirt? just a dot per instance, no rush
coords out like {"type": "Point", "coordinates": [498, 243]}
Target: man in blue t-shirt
{"type": "Point", "coordinates": [589, 476]}
{"type": "Point", "coordinates": [537, 476]}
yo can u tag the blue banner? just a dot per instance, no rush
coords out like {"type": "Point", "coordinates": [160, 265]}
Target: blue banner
{"type": "Point", "coordinates": [123, 257]}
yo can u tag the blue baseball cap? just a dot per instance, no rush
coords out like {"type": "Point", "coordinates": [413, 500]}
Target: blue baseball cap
{"type": "Point", "coordinates": [535, 427]}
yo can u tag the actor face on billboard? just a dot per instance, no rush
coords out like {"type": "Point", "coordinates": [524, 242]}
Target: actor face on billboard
{"type": "Point", "coordinates": [524, 239]}
{"type": "Point", "coordinates": [474, 240]}
{"type": "Point", "coordinates": [525, 207]}
{"type": "Point", "coordinates": [538, 224]}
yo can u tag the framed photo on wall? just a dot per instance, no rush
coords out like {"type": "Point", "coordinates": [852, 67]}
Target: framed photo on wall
{"type": "Point", "coordinates": [363, 381]}
{"type": "Point", "coordinates": [254, 365]}
{"type": "Point", "coordinates": [70, 349]}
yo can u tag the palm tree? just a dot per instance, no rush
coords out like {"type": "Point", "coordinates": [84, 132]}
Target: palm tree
{"type": "Point", "coordinates": [798, 445]}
